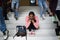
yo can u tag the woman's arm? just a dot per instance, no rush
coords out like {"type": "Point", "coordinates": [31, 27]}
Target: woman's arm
{"type": "Point", "coordinates": [36, 24]}
{"type": "Point", "coordinates": [27, 22]}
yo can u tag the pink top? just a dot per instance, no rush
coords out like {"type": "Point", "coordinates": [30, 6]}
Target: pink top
{"type": "Point", "coordinates": [36, 24]}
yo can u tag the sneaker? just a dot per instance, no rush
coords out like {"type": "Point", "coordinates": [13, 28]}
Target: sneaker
{"type": "Point", "coordinates": [32, 32]}
{"type": "Point", "coordinates": [50, 15]}
{"type": "Point", "coordinates": [43, 18]}
{"type": "Point", "coordinates": [45, 15]}
{"type": "Point", "coordinates": [6, 35]}
{"type": "Point", "coordinates": [16, 17]}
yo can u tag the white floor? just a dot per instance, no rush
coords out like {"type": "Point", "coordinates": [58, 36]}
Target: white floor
{"type": "Point", "coordinates": [46, 27]}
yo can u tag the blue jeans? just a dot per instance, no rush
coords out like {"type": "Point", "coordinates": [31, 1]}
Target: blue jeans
{"type": "Point", "coordinates": [43, 5]}
{"type": "Point", "coordinates": [16, 5]}
{"type": "Point", "coordinates": [2, 22]}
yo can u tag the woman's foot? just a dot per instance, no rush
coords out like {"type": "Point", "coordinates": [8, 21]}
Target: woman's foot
{"type": "Point", "coordinates": [43, 18]}
{"type": "Point", "coordinates": [16, 17]}
{"type": "Point", "coordinates": [32, 33]}
{"type": "Point", "coordinates": [6, 34]}
{"type": "Point", "coordinates": [51, 14]}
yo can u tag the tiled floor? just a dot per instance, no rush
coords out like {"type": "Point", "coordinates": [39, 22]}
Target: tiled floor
{"type": "Point", "coordinates": [45, 32]}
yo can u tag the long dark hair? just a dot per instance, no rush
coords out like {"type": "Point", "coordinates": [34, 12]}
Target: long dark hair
{"type": "Point", "coordinates": [31, 13]}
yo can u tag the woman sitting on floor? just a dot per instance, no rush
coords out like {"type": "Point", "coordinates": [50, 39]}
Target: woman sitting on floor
{"type": "Point", "coordinates": [32, 22]}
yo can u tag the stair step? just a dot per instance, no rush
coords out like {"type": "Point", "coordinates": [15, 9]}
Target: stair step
{"type": "Point", "coordinates": [44, 32]}
{"type": "Point", "coordinates": [43, 38]}
{"type": "Point", "coordinates": [41, 25]}
{"type": "Point", "coordinates": [38, 33]}
{"type": "Point", "coordinates": [44, 24]}
{"type": "Point", "coordinates": [33, 38]}
{"type": "Point", "coordinates": [1, 34]}
{"type": "Point", "coordinates": [1, 38]}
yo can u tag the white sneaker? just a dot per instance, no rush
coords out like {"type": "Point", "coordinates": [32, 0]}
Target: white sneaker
{"type": "Point", "coordinates": [7, 35]}
{"type": "Point", "coordinates": [42, 18]}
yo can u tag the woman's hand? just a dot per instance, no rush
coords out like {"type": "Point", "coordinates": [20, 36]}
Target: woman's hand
{"type": "Point", "coordinates": [33, 21]}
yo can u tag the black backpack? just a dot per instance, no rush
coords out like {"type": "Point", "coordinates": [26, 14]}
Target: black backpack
{"type": "Point", "coordinates": [21, 31]}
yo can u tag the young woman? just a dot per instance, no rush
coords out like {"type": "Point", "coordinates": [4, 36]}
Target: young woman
{"type": "Point", "coordinates": [32, 22]}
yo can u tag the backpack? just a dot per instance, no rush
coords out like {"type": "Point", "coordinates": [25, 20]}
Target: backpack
{"type": "Point", "coordinates": [21, 31]}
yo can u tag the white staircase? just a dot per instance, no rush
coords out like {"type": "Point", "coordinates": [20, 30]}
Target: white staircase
{"type": "Point", "coordinates": [46, 29]}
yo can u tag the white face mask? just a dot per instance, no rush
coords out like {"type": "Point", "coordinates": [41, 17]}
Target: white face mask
{"type": "Point", "coordinates": [32, 1]}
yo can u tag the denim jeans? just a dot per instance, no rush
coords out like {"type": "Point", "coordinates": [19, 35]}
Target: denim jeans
{"type": "Point", "coordinates": [43, 5]}
{"type": "Point", "coordinates": [2, 22]}
{"type": "Point", "coordinates": [15, 6]}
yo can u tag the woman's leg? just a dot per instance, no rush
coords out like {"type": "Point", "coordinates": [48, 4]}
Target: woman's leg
{"type": "Point", "coordinates": [40, 3]}
{"type": "Point", "coordinates": [31, 27]}
{"type": "Point", "coordinates": [53, 6]}
{"type": "Point", "coordinates": [5, 10]}
{"type": "Point", "coordinates": [17, 10]}
{"type": "Point", "coordinates": [12, 5]}
{"type": "Point", "coordinates": [45, 7]}
{"type": "Point", "coordinates": [2, 22]}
